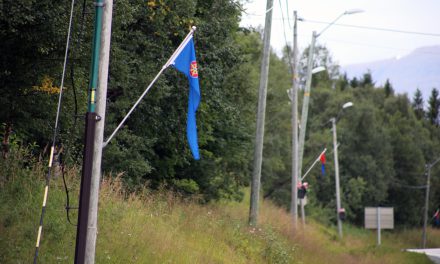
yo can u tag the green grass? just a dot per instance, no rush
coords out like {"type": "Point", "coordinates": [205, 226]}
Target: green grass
{"type": "Point", "coordinates": [160, 227]}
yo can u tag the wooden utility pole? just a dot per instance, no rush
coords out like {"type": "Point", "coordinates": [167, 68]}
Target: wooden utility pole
{"type": "Point", "coordinates": [262, 93]}
{"type": "Point", "coordinates": [294, 104]}
{"type": "Point", "coordinates": [101, 100]}
{"type": "Point", "coordinates": [304, 115]}
{"type": "Point", "coordinates": [88, 158]}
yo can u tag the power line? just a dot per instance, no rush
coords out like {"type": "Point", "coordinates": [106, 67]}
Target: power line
{"type": "Point", "coordinates": [370, 45]}
{"type": "Point", "coordinates": [288, 14]}
{"type": "Point", "coordinates": [408, 186]}
{"type": "Point", "coordinates": [378, 46]}
{"type": "Point", "coordinates": [284, 33]}
{"type": "Point", "coordinates": [359, 26]}
{"type": "Point", "coordinates": [375, 28]}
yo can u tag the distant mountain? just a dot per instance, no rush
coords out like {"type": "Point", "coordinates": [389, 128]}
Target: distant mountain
{"type": "Point", "coordinates": [419, 69]}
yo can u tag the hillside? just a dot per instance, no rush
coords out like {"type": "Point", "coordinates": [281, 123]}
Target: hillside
{"type": "Point", "coordinates": [419, 69]}
{"type": "Point", "coordinates": [162, 227]}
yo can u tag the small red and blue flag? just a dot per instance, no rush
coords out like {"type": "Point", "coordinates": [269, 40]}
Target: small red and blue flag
{"type": "Point", "coordinates": [322, 159]}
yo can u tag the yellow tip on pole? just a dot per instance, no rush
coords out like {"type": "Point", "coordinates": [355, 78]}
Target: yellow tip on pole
{"type": "Point", "coordinates": [45, 195]}
{"type": "Point", "coordinates": [51, 156]}
{"type": "Point", "coordinates": [39, 236]}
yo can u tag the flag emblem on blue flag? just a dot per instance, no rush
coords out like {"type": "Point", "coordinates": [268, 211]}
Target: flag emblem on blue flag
{"type": "Point", "coordinates": [186, 63]}
{"type": "Point", "coordinates": [193, 70]}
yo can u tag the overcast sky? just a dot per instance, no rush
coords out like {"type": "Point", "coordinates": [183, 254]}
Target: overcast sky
{"type": "Point", "coordinates": [353, 45]}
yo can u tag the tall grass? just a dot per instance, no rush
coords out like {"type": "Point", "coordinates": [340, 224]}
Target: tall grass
{"type": "Point", "coordinates": [163, 227]}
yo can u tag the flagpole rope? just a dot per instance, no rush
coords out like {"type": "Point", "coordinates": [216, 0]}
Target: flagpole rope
{"type": "Point", "coordinates": [166, 65]}
{"type": "Point", "coordinates": [55, 134]}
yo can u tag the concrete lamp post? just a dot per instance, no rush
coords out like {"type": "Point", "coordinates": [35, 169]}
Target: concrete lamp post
{"type": "Point", "coordinates": [306, 98]}
{"type": "Point", "coordinates": [292, 97]}
{"type": "Point", "coordinates": [333, 120]}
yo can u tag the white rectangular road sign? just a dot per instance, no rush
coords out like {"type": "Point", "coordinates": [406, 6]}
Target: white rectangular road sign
{"type": "Point", "coordinates": [386, 217]}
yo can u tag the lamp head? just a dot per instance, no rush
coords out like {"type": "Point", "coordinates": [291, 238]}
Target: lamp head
{"type": "Point", "coordinates": [353, 11]}
{"type": "Point", "coordinates": [347, 104]}
{"type": "Point", "coordinates": [318, 69]}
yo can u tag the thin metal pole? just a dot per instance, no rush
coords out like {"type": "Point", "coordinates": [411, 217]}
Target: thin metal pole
{"type": "Point", "coordinates": [378, 225]}
{"type": "Point", "coordinates": [338, 197]}
{"type": "Point", "coordinates": [294, 104]}
{"type": "Point", "coordinates": [99, 132]}
{"type": "Point", "coordinates": [259, 137]}
{"type": "Point", "coordinates": [54, 138]}
{"type": "Point", "coordinates": [428, 181]}
{"type": "Point", "coordinates": [303, 212]}
{"type": "Point", "coordinates": [425, 218]}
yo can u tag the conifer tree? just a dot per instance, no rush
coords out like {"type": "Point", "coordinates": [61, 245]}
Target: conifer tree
{"type": "Point", "coordinates": [417, 104]}
{"type": "Point", "coordinates": [343, 81]}
{"type": "Point", "coordinates": [433, 107]}
{"type": "Point", "coordinates": [388, 88]}
{"type": "Point", "coordinates": [354, 82]}
{"type": "Point", "coordinates": [367, 79]}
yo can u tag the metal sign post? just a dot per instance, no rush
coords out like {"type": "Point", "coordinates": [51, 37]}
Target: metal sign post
{"type": "Point", "coordinates": [379, 218]}
{"type": "Point", "coordinates": [378, 225]}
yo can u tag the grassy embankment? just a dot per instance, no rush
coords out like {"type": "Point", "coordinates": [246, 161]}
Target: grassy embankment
{"type": "Point", "coordinates": [158, 227]}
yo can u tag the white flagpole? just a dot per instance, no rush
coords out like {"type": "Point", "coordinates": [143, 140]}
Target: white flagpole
{"type": "Point", "coordinates": [311, 167]}
{"type": "Point", "coordinates": [181, 46]}
{"type": "Point", "coordinates": [169, 62]}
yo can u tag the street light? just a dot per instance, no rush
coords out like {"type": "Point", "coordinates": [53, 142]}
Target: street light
{"type": "Point", "coordinates": [348, 104]}
{"type": "Point", "coordinates": [335, 148]}
{"type": "Point", "coordinates": [305, 106]}
{"type": "Point", "coordinates": [354, 11]}
{"type": "Point", "coordinates": [292, 93]}
{"type": "Point", "coordinates": [314, 71]}
{"type": "Point", "coordinates": [318, 69]}
{"type": "Point", "coordinates": [348, 12]}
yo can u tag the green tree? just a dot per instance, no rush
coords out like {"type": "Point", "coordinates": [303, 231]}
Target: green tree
{"type": "Point", "coordinates": [433, 107]}
{"type": "Point", "coordinates": [354, 82]}
{"type": "Point", "coordinates": [418, 104]}
{"type": "Point", "coordinates": [388, 88]}
{"type": "Point", "coordinates": [367, 79]}
{"type": "Point", "coordinates": [33, 46]}
{"type": "Point", "coordinates": [343, 82]}
{"type": "Point", "coordinates": [409, 140]}
{"type": "Point", "coordinates": [321, 57]}
{"type": "Point", "coordinates": [277, 139]}
{"type": "Point", "coordinates": [153, 139]}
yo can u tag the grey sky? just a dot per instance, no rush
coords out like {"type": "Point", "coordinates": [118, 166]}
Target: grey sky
{"type": "Point", "coordinates": [353, 45]}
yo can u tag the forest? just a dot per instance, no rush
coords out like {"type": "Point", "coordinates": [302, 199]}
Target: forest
{"type": "Point", "coordinates": [387, 140]}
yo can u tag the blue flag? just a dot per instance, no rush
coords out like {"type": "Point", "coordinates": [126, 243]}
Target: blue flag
{"type": "Point", "coordinates": [186, 63]}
